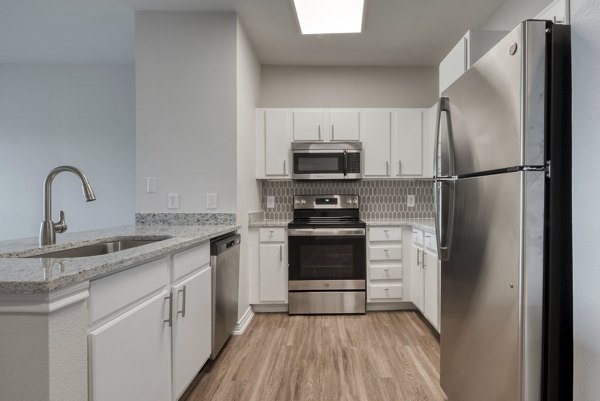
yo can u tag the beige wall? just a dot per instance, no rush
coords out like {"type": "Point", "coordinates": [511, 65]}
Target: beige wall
{"type": "Point", "coordinates": [248, 199]}
{"type": "Point", "coordinates": [284, 86]}
{"type": "Point", "coordinates": [185, 73]}
{"type": "Point", "coordinates": [585, 20]}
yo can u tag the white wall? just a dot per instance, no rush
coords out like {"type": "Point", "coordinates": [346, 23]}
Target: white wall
{"type": "Point", "coordinates": [513, 12]}
{"type": "Point", "coordinates": [284, 86]}
{"type": "Point", "coordinates": [55, 114]}
{"type": "Point", "coordinates": [585, 19]}
{"type": "Point", "coordinates": [186, 109]}
{"type": "Point", "coordinates": [248, 188]}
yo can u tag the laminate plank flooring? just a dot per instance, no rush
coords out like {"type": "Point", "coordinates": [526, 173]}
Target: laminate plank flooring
{"type": "Point", "coordinates": [380, 356]}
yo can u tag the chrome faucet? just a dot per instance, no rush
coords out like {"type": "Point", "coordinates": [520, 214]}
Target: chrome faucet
{"type": "Point", "coordinates": [49, 229]}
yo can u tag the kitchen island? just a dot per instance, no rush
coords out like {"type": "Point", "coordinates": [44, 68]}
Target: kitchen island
{"type": "Point", "coordinates": [133, 324]}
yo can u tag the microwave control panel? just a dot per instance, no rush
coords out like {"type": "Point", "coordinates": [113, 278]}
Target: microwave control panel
{"type": "Point", "coordinates": [353, 163]}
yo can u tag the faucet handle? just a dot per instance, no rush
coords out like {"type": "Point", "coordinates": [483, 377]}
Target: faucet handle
{"type": "Point", "coordinates": [61, 226]}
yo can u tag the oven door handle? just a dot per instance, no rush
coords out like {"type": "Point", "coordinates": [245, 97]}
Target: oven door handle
{"type": "Point", "coordinates": [326, 232]}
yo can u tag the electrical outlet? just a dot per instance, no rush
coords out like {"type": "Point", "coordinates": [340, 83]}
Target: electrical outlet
{"type": "Point", "coordinates": [410, 201]}
{"type": "Point", "coordinates": [150, 185]}
{"type": "Point", "coordinates": [270, 202]}
{"type": "Point", "coordinates": [211, 201]}
{"type": "Point", "coordinates": [173, 201]}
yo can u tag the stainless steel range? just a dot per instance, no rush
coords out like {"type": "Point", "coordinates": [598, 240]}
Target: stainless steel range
{"type": "Point", "coordinates": [327, 256]}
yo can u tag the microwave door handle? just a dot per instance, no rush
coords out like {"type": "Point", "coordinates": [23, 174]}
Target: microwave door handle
{"type": "Point", "coordinates": [345, 163]}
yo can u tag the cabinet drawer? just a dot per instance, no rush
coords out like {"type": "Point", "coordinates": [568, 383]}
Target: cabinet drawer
{"type": "Point", "coordinates": [385, 234]}
{"type": "Point", "coordinates": [385, 272]}
{"type": "Point", "coordinates": [111, 293]}
{"type": "Point", "coordinates": [187, 261]}
{"type": "Point", "coordinates": [429, 241]}
{"type": "Point", "coordinates": [272, 235]}
{"type": "Point", "coordinates": [381, 292]}
{"type": "Point", "coordinates": [417, 236]}
{"type": "Point", "coordinates": [385, 253]}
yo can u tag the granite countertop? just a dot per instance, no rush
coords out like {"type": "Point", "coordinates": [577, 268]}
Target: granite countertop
{"type": "Point", "coordinates": [423, 224]}
{"type": "Point", "coordinates": [37, 275]}
{"type": "Point", "coordinates": [269, 223]}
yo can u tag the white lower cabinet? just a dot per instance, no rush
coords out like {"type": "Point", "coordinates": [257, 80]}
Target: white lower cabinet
{"type": "Point", "coordinates": [148, 338]}
{"type": "Point", "coordinates": [192, 322]}
{"type": "Point", "coordinates": [273, 266]}
{"type": "Point", "coordinates": [416, 277]}
{"type": "Point", "coordinates": [130, 356]}
{"type": "Point", "coordinates": [425, 277]}
{"type": "Point", "coordinates": [385, 265]}
{"type": "Point", "coordinates": [431, 285]}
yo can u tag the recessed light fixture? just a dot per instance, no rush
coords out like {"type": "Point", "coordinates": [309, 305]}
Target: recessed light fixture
{"type": "Point", "coordinates": [318, 17]}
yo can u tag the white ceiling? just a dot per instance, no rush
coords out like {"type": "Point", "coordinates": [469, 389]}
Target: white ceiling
{"type": "Point", "coordinates": [396, 32]}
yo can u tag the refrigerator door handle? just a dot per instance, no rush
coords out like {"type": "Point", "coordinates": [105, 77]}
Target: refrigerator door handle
{"type": "Point", "coordinates": [444, 224]}
{"type": "Point", "coordinates": [443, 107]}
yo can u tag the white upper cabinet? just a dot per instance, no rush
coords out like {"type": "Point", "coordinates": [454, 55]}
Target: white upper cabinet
{"type": "Point", "coordinates": [326, 125]}
{"type": "Point", "coordinates": [377, 140]}
{"type": "Point", "coordinates": [454, 64]}
{"type": "Point", "coordinates": [470, 48]}
{"type": "Point", "coordinates": [409, 143]}
{"type": "Point", "coordinates": [273, 143]}
{"type": "Point", "coordinates": [344, 125]}
{"type": "Point", "coordinates": [308, 125]}
{"type": "Point", "coordinates": [557, 11]}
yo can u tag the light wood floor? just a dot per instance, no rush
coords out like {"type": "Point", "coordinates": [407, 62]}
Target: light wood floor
{"type": "Point", "coordinates": [379, 356]}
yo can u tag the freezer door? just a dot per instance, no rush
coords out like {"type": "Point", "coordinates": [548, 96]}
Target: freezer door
{"type": "Point", "coordinates": [497, 108]}
{"type": "Point", "coordinates": [491, 291]}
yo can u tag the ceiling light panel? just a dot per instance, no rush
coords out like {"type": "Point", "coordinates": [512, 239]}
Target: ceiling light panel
{"type": "Point", "coordinates": [329, 16]}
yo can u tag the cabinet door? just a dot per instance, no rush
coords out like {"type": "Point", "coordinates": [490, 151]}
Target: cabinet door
{"type": "Point", "coordinates": [344, 125]}
{"type": "Point", "coordinates": [416, 277]}
{"type": "Point", "coordinates": [277, 143]}
{"type": "Point", "coordinates": [455, 64]}
{"type": "Point", "coordinates": [130, 356]}
{"type": "Point", "coordinates": [376, 138]}
{"type": "Point", "coordinates": [409, 148]}
{"type": "Point", "coordinates": [192, 325]}
{"type": "Point", "coordinates": [273, 273]}
{"type": "Point", "coordinates": [431, 280]}
{"type": "Point", "coordinates": [308, 125]}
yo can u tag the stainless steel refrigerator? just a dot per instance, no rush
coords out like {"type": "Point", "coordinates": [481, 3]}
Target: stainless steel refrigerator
{"type": "Point", "coordinates": [503, 216]}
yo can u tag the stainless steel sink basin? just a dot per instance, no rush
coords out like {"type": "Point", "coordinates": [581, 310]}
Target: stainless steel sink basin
{"type": "Point", "coordinates": [101, 248]}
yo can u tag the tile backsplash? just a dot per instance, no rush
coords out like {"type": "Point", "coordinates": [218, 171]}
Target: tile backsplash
{"type": "Point", "coordinates": [380, 199]}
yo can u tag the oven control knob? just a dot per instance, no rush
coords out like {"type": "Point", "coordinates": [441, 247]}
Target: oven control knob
{"type": "Point", "coordinates": [297, 202]}
{"type": "Point", "coordinates": [349, 201]}
{"type": "Point", "coordinates": [302, 202]}
{"type": "Point", "coordinates": [355, 201]}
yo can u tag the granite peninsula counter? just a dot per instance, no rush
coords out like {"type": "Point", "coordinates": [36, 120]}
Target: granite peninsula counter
{"type": "Point", "coordinates": [41, 275]}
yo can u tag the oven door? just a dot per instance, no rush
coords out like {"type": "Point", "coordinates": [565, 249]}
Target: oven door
{"type": "Point", "coordinates": [319, 165]}
{"type": "Point", "coordinates": [327, 259]}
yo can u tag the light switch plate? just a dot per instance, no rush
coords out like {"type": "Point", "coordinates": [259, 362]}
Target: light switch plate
{"type": "Point", "coordinates": [150, 185]}
{"type": "Point", "coordinates": [173, 201]}
{"type": "Point", "coordinates": [270, 202]}
{"type": "Point", "coordinates": [410, 201]}
{"type": "Point", "coordinates": [211, 201]}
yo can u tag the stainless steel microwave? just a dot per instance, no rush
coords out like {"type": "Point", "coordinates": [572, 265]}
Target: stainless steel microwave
{"type": "Point", "coordinates": [327, 160]}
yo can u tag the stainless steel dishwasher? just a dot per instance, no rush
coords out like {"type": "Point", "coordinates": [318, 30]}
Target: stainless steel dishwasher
{"type": "Point", "coordinates": [225, 262]}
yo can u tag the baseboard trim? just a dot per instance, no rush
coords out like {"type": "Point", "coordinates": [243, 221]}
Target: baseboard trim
{"type": "Point", "coordinates": [389, 306]}
{"type": "Point", "coordinates": [269, 308]}
{"type": "Point", "coordinates": [242, 325]}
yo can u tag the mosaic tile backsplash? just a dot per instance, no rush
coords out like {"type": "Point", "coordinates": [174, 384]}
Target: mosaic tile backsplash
{"type": "Point", "coordinates": [380, 199]}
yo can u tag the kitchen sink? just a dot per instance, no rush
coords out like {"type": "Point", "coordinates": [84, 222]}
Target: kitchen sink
{"type": "Point", "coordinates": [100, 248]}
